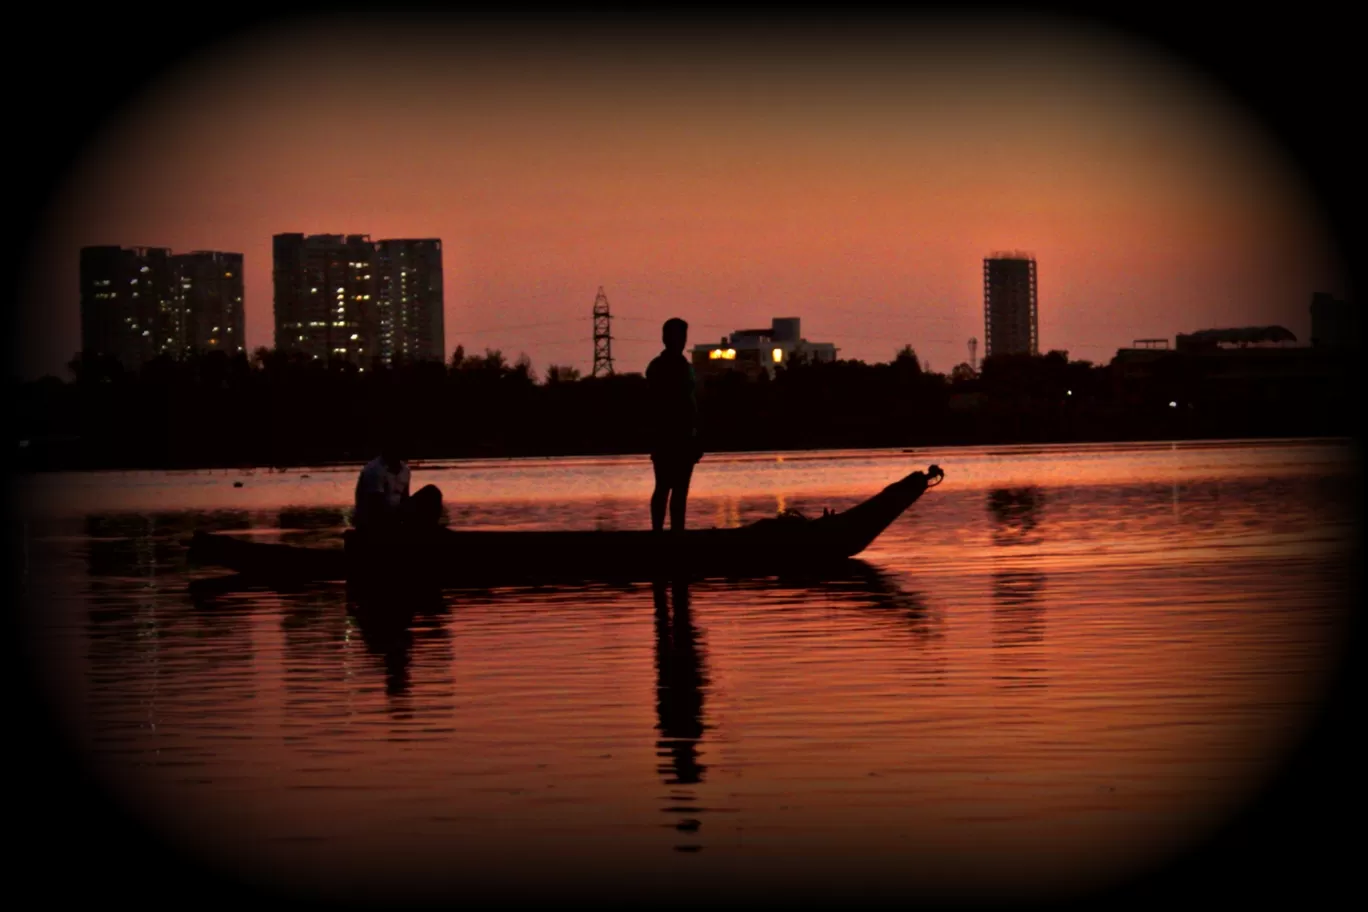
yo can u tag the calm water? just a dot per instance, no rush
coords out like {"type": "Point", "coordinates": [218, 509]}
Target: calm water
{"type": "Point", "coordinates": [1062, 665]}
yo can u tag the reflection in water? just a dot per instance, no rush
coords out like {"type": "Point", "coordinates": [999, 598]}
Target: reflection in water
{"type": "Point", "coordinates": [305, 526]}
{"type": "Point", "coordinates": [867, 586]}
{"type": "Point", "coordinates": [681, 679]}
{"type": "Point", "coordinates": [1018, 606]}
{"type": "Point", "coordinates": [1019, 614]}
{"type": "Point", "coordinates": [126, 555]}
{"type": "Point", "coordinates": [321, 628]}
{"type": "Point", "coordinates": [144, 545]}
{"type": "Point", "coordinates": [727, 514]}
{"type": "Point", "coordinates": [375, 775]}
{"type": "Point", "coordinates": [314, 631]}
{"type": "Point", "coordinates": [387, 627]}
{"type": "Point", "coordinates": [147, 657]}
{"type": "Point", "coordinates": [1016, 514]}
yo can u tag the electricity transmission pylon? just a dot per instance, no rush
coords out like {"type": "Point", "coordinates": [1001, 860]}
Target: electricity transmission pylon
{"type": "Point", "coordinates": [603, 337]}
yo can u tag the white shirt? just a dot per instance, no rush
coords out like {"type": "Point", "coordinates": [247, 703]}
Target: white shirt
{"type": "Point", "coordinates": [376, 478]}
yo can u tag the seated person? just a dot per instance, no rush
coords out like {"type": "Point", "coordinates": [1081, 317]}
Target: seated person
{"type": "Point", "coordinates": [383, 501]}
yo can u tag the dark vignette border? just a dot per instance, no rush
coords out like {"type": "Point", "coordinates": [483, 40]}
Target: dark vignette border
{"type": "Point", "coordinates": [1294, 70]}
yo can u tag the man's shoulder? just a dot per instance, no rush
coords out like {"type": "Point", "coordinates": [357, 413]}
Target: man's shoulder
{"type": "Point", "coordinates": [371, 476]}
{"type": "Point", "coordinates": [377, 468]}
{"type": "Point", "coordinates": [669, 361]}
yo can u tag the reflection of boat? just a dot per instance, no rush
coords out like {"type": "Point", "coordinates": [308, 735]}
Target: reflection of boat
{"type": "Point", "coordinates": [451, 557]}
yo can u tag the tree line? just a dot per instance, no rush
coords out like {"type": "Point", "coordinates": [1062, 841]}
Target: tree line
{"type": "Point", "coordinates": [276, 409]}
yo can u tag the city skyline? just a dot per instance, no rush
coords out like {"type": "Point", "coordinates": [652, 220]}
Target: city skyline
{"type": "Point", "coordinates": [859, 191]}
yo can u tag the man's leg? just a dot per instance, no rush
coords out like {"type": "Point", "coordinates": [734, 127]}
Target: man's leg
{"type": "Point", "coordinates": [679, 497]}
{"type": "Point", "coordinates": [661, 495]}
{"type": "Point", "coordinates": [425, 507]}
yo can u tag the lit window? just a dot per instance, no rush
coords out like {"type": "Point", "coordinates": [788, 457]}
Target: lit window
{"type": "Point", "coordinates": [778, 354]}
{"type": "Point", "coordinates": [144, 269]}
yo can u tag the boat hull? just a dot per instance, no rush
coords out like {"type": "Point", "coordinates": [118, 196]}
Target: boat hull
{"type": "Point", "coordinates": [447, 557]}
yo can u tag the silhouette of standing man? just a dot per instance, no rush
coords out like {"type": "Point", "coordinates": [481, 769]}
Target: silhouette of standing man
{"type": "Point", "coordinates": [674, 423]}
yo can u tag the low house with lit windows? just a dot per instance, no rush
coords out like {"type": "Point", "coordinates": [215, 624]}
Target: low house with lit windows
{"type": "Point", "coordinates": [753, 351]}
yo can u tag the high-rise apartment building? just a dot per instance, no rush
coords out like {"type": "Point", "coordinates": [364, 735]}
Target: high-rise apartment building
{"type": "Point", "coordinates": [208, 286]}
{"type": "Point", "coordinates": [346, 297]}
{"type": "Point", "coordinates": [128, 307]}
{"type": "Point", "coordinates": [326, 301]}
{"type": "Point", "coordinates": [410, 292]}
{"type": "Point", "coordinates": [138, 303]}
{"type": "Point", "coordinates": [1009, 305]}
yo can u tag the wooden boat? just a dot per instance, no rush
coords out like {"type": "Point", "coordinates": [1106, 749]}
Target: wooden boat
{"type": "Point", "coordinates": [448, 557]}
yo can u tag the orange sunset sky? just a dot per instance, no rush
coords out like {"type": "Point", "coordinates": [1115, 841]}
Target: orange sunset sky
{"type": "Point", "coordinates": [852, 178]}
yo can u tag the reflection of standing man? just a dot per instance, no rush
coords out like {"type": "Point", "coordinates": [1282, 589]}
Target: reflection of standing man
{"type": "Point", "coordinates": [674, 426]}
{"type": "Point", "coordinates": [681, 679]}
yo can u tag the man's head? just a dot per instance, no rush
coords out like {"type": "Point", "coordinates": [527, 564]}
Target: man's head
{"type": "Point", "coordinates": [674, 334]}
{"type": "Point", "coordinates": [394, 445]}
{"type": "Point", "coordinates": [392, 456]}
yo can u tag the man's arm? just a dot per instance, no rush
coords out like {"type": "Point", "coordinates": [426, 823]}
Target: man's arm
{"type": "Point", "coordinates": [370, 499]}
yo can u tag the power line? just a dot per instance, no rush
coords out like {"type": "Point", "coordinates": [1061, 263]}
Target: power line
{"type": "Point", "coordinates": [478, 332]}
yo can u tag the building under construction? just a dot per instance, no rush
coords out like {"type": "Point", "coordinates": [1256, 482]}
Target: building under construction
{"type": "Point", "coordinates": [1009, 305]}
